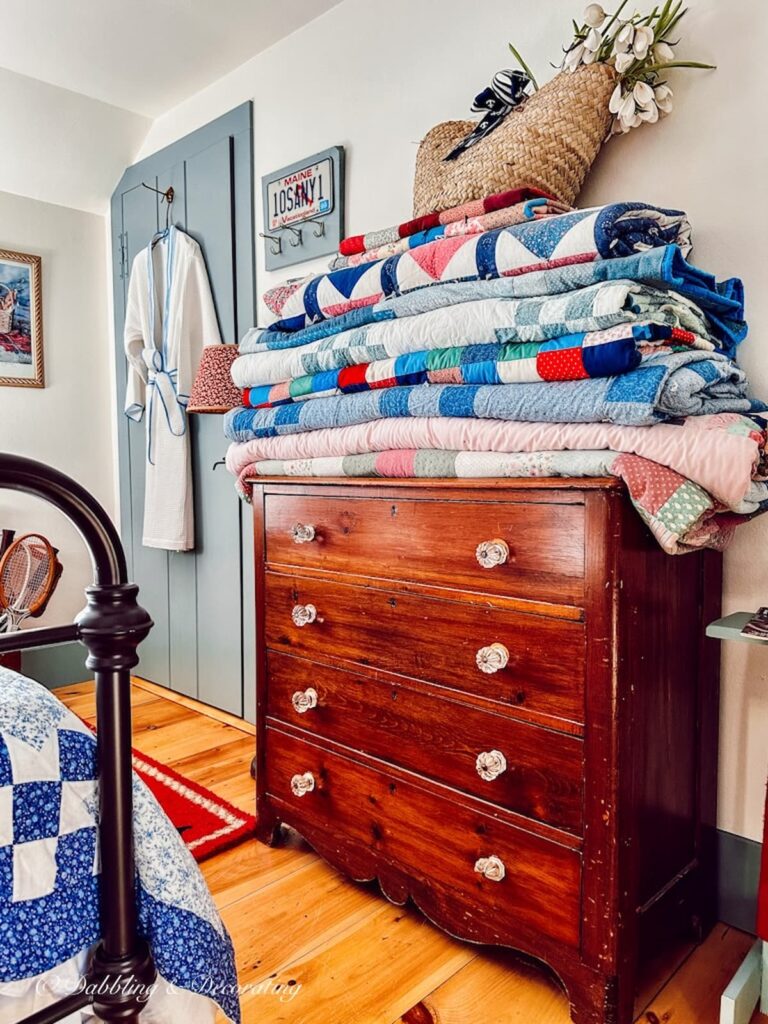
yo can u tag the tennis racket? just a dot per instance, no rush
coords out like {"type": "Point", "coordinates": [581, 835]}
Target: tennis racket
{"type": "Point", "coordinates": [29, 572]}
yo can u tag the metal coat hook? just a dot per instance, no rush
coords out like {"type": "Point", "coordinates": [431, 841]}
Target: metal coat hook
{"type": "Point", "coordinates": [168, 195]}
{"type": "Point", "coordinates": [276, 241]}
{"type": "Point", "coordinates": [221, 462]}
{"type": "Point", "coordinates": [296, 232]}
{"type": "Point", "coordinates": [319, 226]}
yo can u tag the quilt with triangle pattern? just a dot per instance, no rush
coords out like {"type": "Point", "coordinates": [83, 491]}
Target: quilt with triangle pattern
{"type": "Point", "coordinates": [664, 267]}
{"type": "Point", "coordinates": [581, 236]}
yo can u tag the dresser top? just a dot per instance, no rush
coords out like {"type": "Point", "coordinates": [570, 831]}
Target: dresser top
{"type": "Point", "coordinates": [580, 483]}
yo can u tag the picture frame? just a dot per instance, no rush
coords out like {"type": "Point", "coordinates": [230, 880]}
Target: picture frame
{"type": "Point", "coordinates": [21, 320]}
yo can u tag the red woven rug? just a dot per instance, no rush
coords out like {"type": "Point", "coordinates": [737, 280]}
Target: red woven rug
{"type": "Point", "coordinates": [206, 823]}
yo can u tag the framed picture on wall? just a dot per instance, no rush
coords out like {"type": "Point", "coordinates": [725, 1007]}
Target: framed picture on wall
{"type": "Point", "coordinates": [21, 320]}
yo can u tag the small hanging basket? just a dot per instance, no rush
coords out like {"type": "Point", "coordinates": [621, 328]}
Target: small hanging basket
{"type": "Point", "coordinates": [6, 315]}
{"type": "Point", "coordinates": [549, 142]}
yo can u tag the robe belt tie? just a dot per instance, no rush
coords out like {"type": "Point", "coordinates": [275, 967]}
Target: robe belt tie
{"type": "Point", "coordinates": [162, 385]}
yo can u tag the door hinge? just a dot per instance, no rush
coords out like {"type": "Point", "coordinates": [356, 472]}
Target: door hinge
{"type": "Point", "coordinates": [122, 241]}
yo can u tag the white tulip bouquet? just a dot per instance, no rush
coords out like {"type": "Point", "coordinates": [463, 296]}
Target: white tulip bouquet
{"type": "Point", "coordinates": [640, 51]}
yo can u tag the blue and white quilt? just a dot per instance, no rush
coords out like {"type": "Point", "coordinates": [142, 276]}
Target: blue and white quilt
{"type": "Point", "coordinates": [49, 874]}
{"type": "Point", "coordinates": [722, 302]}
{"type": "Point", "coordinates": [666, 386]}
{"type": "Point", "coordinates": [534, 319]}
{"type": "Point", "coordinates": [580, 236]}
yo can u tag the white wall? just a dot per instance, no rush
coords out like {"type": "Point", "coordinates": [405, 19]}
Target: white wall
{"type": "Point", "coordinates": [375, 78]}
{"type": "Point", "coordinates": [69, 423]}
{"type": "Point", "coordinates": [62, 147]}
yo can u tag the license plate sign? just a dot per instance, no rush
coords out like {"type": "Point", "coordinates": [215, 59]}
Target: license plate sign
{"type": "Point", "coordinates": [301, 195]}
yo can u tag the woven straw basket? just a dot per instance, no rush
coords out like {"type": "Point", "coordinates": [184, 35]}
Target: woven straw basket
{"type": "Point", "coordinates": [548, 143]}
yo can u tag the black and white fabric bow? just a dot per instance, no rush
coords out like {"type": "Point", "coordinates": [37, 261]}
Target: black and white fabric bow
{"type": "Point", "coordinates": [506, 91]}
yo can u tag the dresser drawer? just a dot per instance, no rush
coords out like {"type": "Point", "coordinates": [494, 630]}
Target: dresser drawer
{"type": "Point", "coordinates": [436, 640]}
{"type": "Point", "coordinates": [434, 839]}
{"type": "Point", "coordinates": [434, 542]}
{"type": "Point", "coordinates": [540, 776]}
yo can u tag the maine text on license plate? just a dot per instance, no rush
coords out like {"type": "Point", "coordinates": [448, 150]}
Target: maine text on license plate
{"type": "Point", "coordinates": [301, 195]}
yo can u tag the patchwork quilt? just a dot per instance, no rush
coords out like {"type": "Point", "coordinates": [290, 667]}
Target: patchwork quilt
{"type": "Point", "coordinates": [581, 236]}
{"type": "Point", "coordinates": [49, 873]}
{"type": "Point", "coordinates": [479, 322]}
{"type": "Point", "coordinates": [516, 214]}
{"type": "Point", "coordinates": [473, 208]}
{"type": "Point", "coordinates": [663, 267]}
{"type": "Point", "coordinates": [663, 387]}
{"type": "Point", "coordinates": [573, 357]}
{"type": "Point", "coordinates": [692, 482]}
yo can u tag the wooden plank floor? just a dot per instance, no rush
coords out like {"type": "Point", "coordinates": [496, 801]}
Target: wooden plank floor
{"type": "Point", "coordinates": [317, 949]}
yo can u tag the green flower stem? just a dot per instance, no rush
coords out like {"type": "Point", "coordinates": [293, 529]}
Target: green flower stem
{"type": "Point", "coordinates": [615, 15]}
{"type": "Point", "coordinates": [524, 66]}
{"type": "Point", "coordinates": [653, 68]}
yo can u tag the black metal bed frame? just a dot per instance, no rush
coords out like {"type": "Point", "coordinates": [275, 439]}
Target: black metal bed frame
{"type": "Point", "coordinates": [111, 626]}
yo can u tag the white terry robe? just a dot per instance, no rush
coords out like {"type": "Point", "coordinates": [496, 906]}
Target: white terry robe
{"type": "Point", "coordinates": [169, 317]}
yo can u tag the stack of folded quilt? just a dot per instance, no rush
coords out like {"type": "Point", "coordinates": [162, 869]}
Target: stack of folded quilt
{"type": "Point", "coordinates": [514, 337]}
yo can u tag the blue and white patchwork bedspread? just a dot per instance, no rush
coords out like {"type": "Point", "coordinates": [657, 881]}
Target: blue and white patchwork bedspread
{"type": "Point", "coordinates": [580, 236]}
{"type": "Point", "coordinates": [722, 302]}
{"type": "Point", "coordinates": [49, 873]}
{"type": "Point", "coordinates": [666, 386]}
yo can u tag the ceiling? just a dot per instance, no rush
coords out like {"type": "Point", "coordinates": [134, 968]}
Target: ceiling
{"type": "Point", "coordinates": [147, 55]}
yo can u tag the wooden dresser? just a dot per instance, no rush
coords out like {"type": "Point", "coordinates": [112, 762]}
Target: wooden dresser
{"type": "Point", "coordinates": [496, 698]}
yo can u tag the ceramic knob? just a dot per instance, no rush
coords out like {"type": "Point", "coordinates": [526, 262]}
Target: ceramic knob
{"type": "Point", "coordinates": [492, 658]}
{"type": "Point", "coordinates": [302, 533]}
{"type": "Point", "coordinates": [491, 868]}
{"type": "Point", "coordinates": [301, 784]}
{"type": "Point", "coordinates": [490, 764]}
{"type": "Point", "coordinates": [303, 614]}
{"type": "Point", "coordinates": [492, 552]}
{"type": "Point", "coordinates": [304, 700]}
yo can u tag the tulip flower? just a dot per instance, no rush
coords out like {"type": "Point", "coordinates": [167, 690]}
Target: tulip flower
{"type": "Point", "coordinates": [624, 38]}
{"type": "Point", "coordinates": [594, 15]}
{"type": "Point", "coordinates": [662, 53]}
{"type": "Point", "coordinates": [642, 41]}
{"type": "Point", "coordinates": [643, 94]}
{"type": "Point", "coordinates": [662, 95]}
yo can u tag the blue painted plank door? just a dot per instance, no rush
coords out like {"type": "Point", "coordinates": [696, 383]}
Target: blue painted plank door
{"type": "Point", "coordinates": [201, 601]}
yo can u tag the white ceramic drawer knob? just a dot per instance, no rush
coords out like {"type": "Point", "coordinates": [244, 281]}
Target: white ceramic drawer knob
{"type": "Point", "coordinates": [303, 614]}
{"type": "Point", "coordinates": [490, 765]}
{"type": "Point", "coordinates": [302, 533]}
{"type": "Point", "coordinates": [304, 700]}
{"type": "Point", "coordinates": [492, 658]}
{"type": "Point", "coordinates": [301, 784]}
{"type": "Point", "coordinates": [491, 868]}
{"type": "Point", "coordinates": [492, 552]}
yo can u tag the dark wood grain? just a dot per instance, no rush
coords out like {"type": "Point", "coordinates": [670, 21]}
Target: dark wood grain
{"type": "Point", "coordinates": [435, 640]}
{"type": "Point", "coordinates": [420, 835]}
{"type": "Point", "coordinates": [438, 738]}
{"type": "Point", "coordinates": [609, 704]}
{"type": "Point", "coordinates": [425, 540]}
